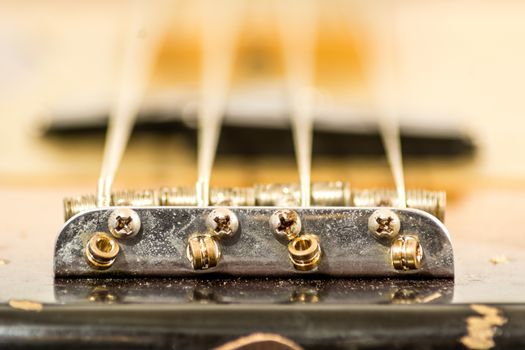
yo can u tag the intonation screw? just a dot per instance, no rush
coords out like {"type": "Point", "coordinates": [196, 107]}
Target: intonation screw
{"type": "Point", "coordinates": [101, 251]}
{"type": "Point", "coordinates": [406, 253]}
{"type": "Point", "coordinates": [384, 224]}
{"type": "Point", "coordinates": [222, 223]}
{"type": "Point", "coordinates": [285, 224]}
{"type": "Point", "coordinates": [124, 223]}
{"type": "Point", "coordinates": [203, 252]}
{"type": "Point", "coordinates": [305, 252]}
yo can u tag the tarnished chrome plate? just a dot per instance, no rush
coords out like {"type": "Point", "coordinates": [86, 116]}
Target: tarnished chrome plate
{"type": "Point", "coordinates": [347, 246]}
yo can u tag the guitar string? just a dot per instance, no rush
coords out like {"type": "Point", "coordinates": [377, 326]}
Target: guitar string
{"type": "Point", "coordinates": [298, 47]}
{"type": "Point", "coordinates": [298, 26]}
{"type": "Point", "coordinates": [145, 30]}
{"type": "Point", "coordinates": [382, 79]}
{"type": "Point", "coordinates": [388, 112]}
{"type": "Point", "coordinates": [219, 31]}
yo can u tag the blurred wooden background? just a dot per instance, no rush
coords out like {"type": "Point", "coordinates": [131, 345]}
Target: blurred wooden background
{"type": "Point", "coordinates": [461, 60]}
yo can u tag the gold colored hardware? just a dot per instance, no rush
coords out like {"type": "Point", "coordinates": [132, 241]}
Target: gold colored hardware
{"type": "Point", "coordinates": [406, 253]}
{"type": "Point", "coordinates": [101, 251]}
{"type": "Point", "coordinates": [305, 252]}
{"type": "Point", "coordinates": [203, 252]}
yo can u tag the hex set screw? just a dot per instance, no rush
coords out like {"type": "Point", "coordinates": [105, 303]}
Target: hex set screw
{"type": "Point", "coordinates": [304, 250]}
{"type": "Point", "coordinates": [406, 253]}
{"type": "Point", "coordinates": [101, 251]}
{"type": "Point", "coordinates": [203, 250]}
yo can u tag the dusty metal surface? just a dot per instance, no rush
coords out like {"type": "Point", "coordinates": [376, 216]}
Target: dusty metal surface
{"type": "Point", "coordinates": [348, 248]}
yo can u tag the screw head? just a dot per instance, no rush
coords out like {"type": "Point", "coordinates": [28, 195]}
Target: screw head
{"type": "Point", "coordinates": [124, 223]}
{"type": "Point", "coordinates": [285, 224]}
{"type": "Point", "coordinates": [222, 222]}
{"type": "Point", "coordinates": [384, 224]}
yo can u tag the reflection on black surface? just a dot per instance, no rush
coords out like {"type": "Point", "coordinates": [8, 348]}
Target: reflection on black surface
{"type": "Point", "coordinates": [254, 291]}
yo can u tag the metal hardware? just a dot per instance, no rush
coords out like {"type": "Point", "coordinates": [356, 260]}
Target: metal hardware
{"type": "Point", "coordinates": [75, 205]}
{"type": "Point", "coordinates": [330, 194]}
{"type": "Point", "coordinates": [222, 223]}
{"type": "Point", "coordinates": [279, 195]}
{"type": "Point", "coordinates": [203, 252]}
{"type": "Point", "coordinates": [406, 253]}
{"type": "Point", "coordinates": [101, 250]}
{"type": "Point", "coordinates": [384, 224]}
{"type": "Point", "coordinates": [348, 248]}
{"type": "Point", "coordinates": [323, 194]}
{"type": "Point", "coordinates": [124, 223]}
{"type": "Point", "coordinates": [285, 224]}
{"type": "Point", "coordinates": [327, 194]}
{"type": "Point", "coordinates": [135, 198]}
{"type": "Point", "coordinates": [232, 196]}
{"type": "Point", "coordinates": [177, 196]}
{"type": "Point", "coordinates": [432, 202]}
{"type": "Point", "coordinates": [305, 252]}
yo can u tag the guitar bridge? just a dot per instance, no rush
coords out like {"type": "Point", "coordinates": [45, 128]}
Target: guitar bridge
{"type": "Point", "coordinates": [266, 230]}
{"type": "Point", "coordinates": [256, 231]}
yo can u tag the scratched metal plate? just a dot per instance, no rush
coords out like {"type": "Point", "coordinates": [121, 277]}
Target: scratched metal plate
{"type": "Point", "coordinates": [348, 249]}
